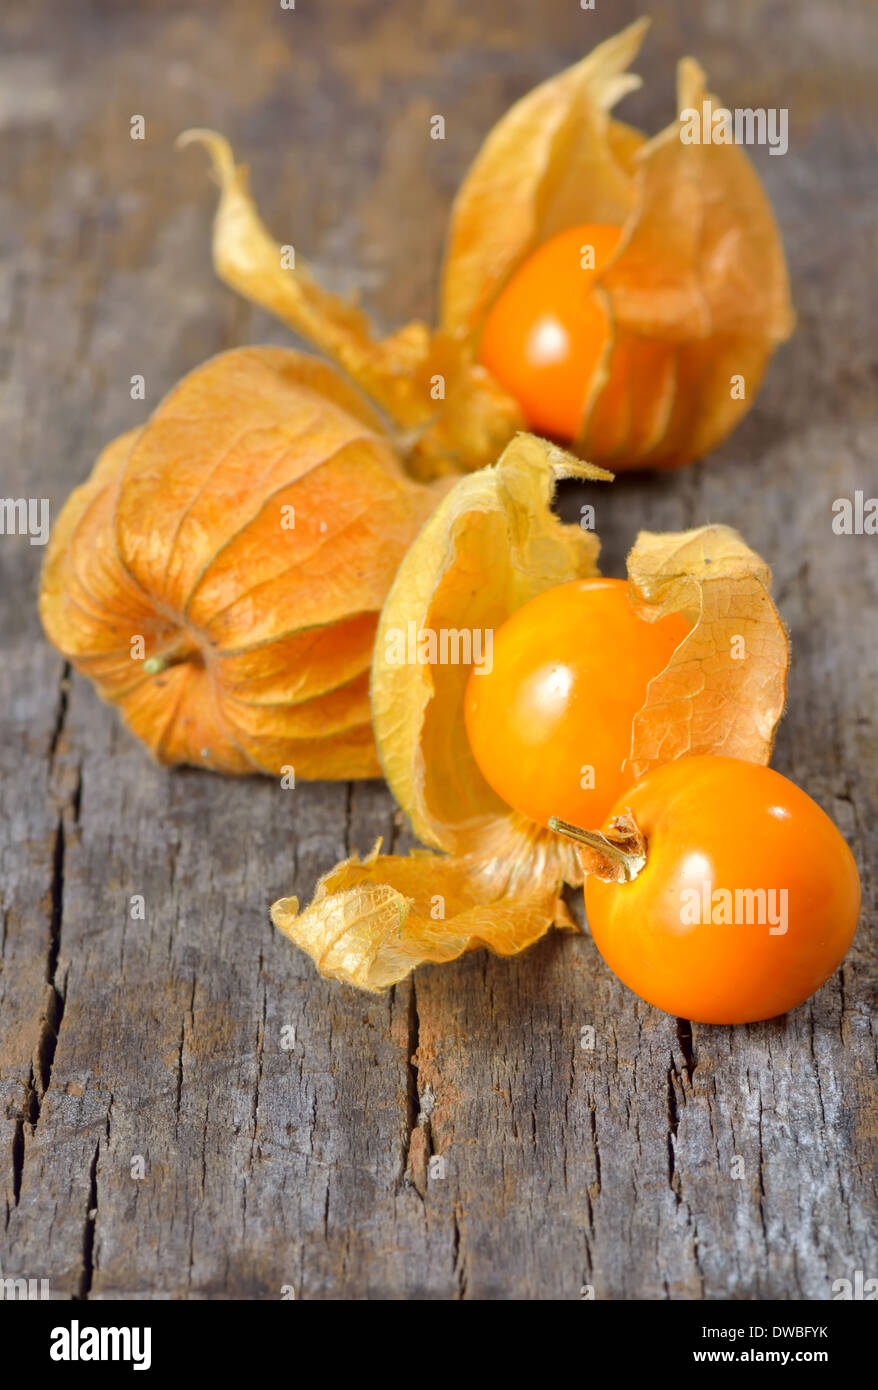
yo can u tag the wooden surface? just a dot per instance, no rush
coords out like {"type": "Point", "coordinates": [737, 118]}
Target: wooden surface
{"type": "Point", "coordinates": [163, 1038]}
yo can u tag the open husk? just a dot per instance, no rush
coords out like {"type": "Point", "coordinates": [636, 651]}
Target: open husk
{"type": "Point", "coordinates": [697, 292]}
{"type": "Point", "coordinates": [491, 545]}
{"type": "Point", "coordinates": [696, 295]}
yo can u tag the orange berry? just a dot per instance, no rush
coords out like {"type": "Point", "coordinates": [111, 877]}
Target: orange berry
{"type": "Point", "coordinates": [544, 334]}
{"type": "Point", "coordinates": [746, 904]}
{"type": "Point", "coordinates": [550, 724]}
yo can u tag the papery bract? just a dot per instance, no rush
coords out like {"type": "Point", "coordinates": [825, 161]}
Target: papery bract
{"type": "Point", "coordinates": [220, 575]}
{"type": "Point", "coordinates": [696, 297]}
{"type": "Point", "coordinates": [449, 412]}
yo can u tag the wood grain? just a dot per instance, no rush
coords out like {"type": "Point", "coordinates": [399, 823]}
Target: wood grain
{"type": "Point", "coordinates": [266, 1166]}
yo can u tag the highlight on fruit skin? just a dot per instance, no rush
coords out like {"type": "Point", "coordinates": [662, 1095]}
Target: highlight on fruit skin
{"type": "Point", "coordinates": [649, 366]}
{"type": "Point", "coordinates": [743, 897]}
{"type": "Point", "coordinates": [220, 574]}
{"type": "Point", "coordinates": [495, 877]}
{"type": "Point", "coordinates": [549, 724]}
{"type": "Point", "coordinates": [546, 333]}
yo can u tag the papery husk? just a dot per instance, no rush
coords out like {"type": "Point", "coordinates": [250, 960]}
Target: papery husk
{"type": "Point", "coordinates": [554, 160]}
{"type": "Point", "coordinates": [697, 291]}
{"type": "Point", "coordinates": [257, 638]}
{"type": "Point", "coordinates": [696, 294]}
{"type": "Point", "coordinates": [372, 921]}
{"type": "Point", "coordinates": [724, 690]}
{"type": "Point", "coordinates": [491, 545]}
{"type": "Point", "coordinates": [464, 429]}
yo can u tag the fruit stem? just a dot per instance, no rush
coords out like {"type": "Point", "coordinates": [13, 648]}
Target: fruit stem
{"type": "Point", "coordinates": [178, 652]}
{"type": "Point", "coordinates": [617, 856]}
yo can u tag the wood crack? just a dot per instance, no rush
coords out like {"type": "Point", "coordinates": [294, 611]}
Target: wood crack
{"type": "Point", "coordinates": [257, 1087]}
{"type": "Point", "coordinates": [687, 1047]}
{"type": "Point", "coordinates": [60, 713]}
{"type": "Point", "coordinates": [50, 1024]}
{"type": "Point", "coordinates": [418, 1146]}
{"type": "Point", "coordinates": [460, 1269]}
{"type": "Point", "coordinates": [679, 1091]}
{"type": "Point", "coordinates": [40, 1073]}
{"type": "Point", "coordinates": [88, 1236]}
{"type": "Point", "coordinates": [673, 1125]}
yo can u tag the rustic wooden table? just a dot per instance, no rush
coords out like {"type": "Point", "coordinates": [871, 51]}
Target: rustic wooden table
{"type": "Point", "coordinates": [671, 1161]}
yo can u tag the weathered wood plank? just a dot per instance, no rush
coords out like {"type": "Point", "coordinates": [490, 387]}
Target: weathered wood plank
{"type": "Point", "coordinates": [667, 1161]}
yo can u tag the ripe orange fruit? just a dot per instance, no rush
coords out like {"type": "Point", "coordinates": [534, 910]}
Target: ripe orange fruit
{"type": "Point", "coordinates": [550, 724]}
{"type": "Point", "coordinates": [747, 902]}
{"type": "Point", "coordinates": [543, 337]}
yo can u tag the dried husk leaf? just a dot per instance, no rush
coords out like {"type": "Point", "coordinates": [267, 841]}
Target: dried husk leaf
{"type": "Point", "coordinates": [697, 292]}
{"type": "Point", "coordinates": [257, 637]}
{"type": "Point", "coordinates": [372, 921]}
{"type": "Point", "coordinates": [724, 689]}
{"type": "Point", "coordinates": [490, 546]}
{"type": "Point", "coordinates": [464, 430]}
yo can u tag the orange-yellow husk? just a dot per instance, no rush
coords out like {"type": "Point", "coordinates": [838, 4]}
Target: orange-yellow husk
{"type": "Point", "coordinates": [696, 296]}
{"type": "Point", "coordinates": [220, 574]}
